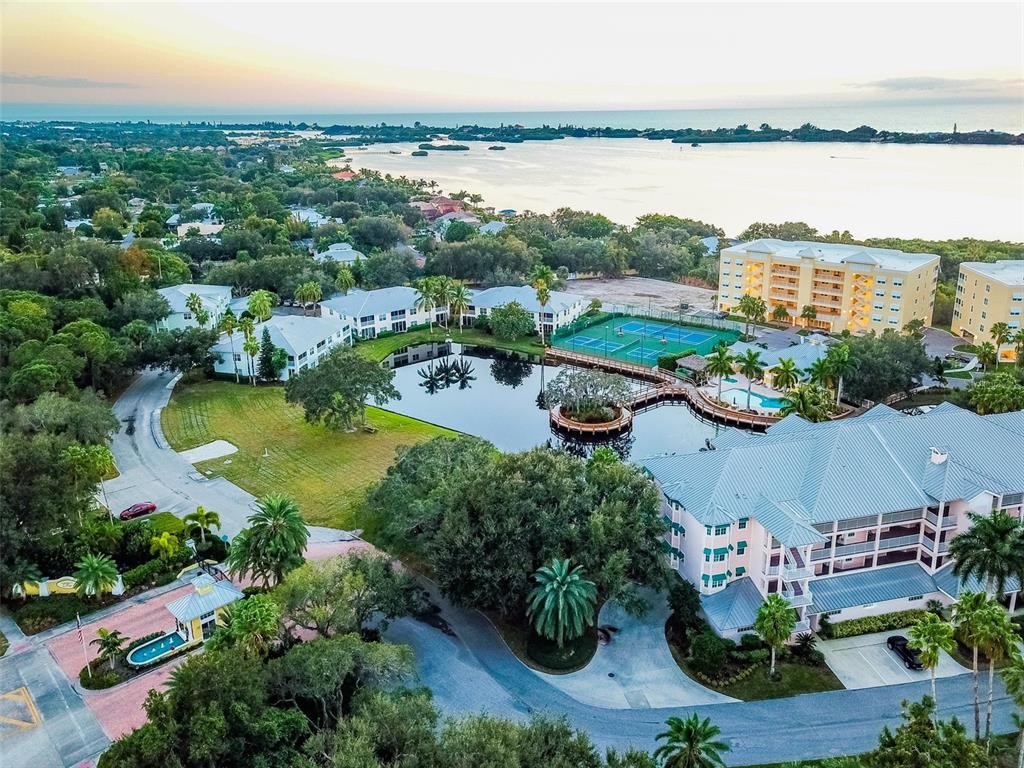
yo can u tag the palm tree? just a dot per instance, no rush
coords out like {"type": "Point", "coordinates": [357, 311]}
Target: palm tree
{"type": "Point", "coordinates": [931, 636]}
{"type": "Point", "coordinates": [308, 293]}
{"type": "Point", "coordinates": [344, 282]}
{"type": "Point", "coordinates": [998, 638]}
{"type": "Point", "coordinates": [542, 278]}
{"type": "Point", "coordinates": [445, 290]}
{"type": "Point", "coordinates": [751, 366]}
{"type": "Point", "coordinates": [260, 304]}
{"type": "Point", "coordinates": [426, 298]}
{"type": "Point", "coordinates": [164, 546]}
{"type": "Point", "coordinates": [774, 623]}
{"type": "Point", "coordinates": [204, 519]}
{"type": "Point", "coordinates": [562, 603]}
{"type": "Point", "coordinates": [110, 642]}
{"type": "Point", "coordinates": [94, 574]}
{"type": "Point", "coordinates": [785, 375]}
{"type": "Point", "coordinates": [840, 365]}
{"type": "Point", "coordinates": [248, 329]}
{"type": "Point", "coordinates": [780, 313]}
{"type": "Point", "coordinates": [820, 373]}
{"type": "Point", "coordinates": [691, 743]}
{"type": "Point", "coordinates": [1001, 334]}
{"type": "Point", "coordinates": [458, 301]}
{"type": "Point", "coordinates": [228, 325]}
{"type": "Point", "coordinates": [1013, 677]}
{"type": "Point", "coordinates": [969, 618]}
{"type": "Point", "coordinates": [720, 364]}
{"type": "Point", "coordinates": [1018, 347]}
{"type": "Point", "coordinates": [986, 354]}
{"type": "Point", "coordinates": [251, 347]}
{"type": "Point", "coordinates": [809, 401]}
{"type": "Point", "coordinates": [992, 550]}
{"type": "Point", "coordinates": [808, 314]}
{"type": "Point", "coordinates": [194, 304]}
{"type": "Point", "coordinates": [273, 543]}
{"type": "Point", "coordinates": [746, 307]}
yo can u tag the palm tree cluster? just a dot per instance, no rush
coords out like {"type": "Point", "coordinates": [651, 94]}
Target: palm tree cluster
{"type": "Point", "coordinates": [753, 309]}
{"type": "Point", "coordinates": [543, 280]}
{"type": "Point", "coordinates": [308, 294]}
{"type": "Point", "coordinates": [445, 374]}
{"type": "Point", "coordinates": [442, 292]}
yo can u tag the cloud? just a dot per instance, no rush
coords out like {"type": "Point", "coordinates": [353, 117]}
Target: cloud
{"type": "Point", "coordinates": [977, 85]}
{"type": "Point", "coordinates": [47, 81]}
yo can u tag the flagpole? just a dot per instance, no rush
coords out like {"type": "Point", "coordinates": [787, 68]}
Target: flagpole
{"type": "Point", "coordinates": [81, 639]}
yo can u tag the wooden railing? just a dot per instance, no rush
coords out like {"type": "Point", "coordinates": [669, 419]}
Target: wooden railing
{"type": "Point", "coordinates": [619, 424]}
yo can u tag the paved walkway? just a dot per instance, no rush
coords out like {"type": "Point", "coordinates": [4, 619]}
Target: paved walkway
{"type": "Point", "coordinates": [866, 662]}
{"type": "Point", "coordinates": [636, 669]}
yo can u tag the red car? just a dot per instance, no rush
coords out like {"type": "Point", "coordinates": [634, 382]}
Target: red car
{"type": "Point", "coordinates": [138, 510]}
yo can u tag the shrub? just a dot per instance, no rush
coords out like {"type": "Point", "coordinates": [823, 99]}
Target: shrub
{"type": "Point", "coordinates": [751, 642]}
{"type": "Point", "coordinates": [214, 549]}
{"type": "Point", "coordinates": [754, 656]}
{"type": "Point", "coordinates": [482, 324]}
{"type": "Point", "coordinates": [882, 623]}
{"type": "Point", "coordinates": [668, 362]}
{"type": "Point", "coordinates": [150, 574]}
{"type": "Point", "coordinates": [42, 613]}
{"type": "Point", "coordinates": [708, 654]}
{"type": "Point", "coordinates": [102, 676]}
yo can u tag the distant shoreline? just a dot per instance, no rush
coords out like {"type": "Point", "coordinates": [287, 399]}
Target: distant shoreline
{"type": "Point", "coordinates": [359, 135]}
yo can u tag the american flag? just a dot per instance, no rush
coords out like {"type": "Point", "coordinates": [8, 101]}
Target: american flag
{"type": "Point", "coordinates": [78, 622]}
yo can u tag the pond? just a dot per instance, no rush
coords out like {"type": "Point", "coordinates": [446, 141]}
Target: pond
{"type": "Point", "coordinates": [495, 395]}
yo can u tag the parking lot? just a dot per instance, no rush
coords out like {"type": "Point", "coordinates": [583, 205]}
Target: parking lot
{"type": "Point", "coordinates": [866, 662]}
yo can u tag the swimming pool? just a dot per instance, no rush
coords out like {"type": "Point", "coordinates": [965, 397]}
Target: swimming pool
{"type": "Point", "coordinates": [738, 397]}
{"type": "Point", "coordinates": [154, 649]}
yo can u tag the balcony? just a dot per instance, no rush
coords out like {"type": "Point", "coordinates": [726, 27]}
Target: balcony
{"type": "Point", "coordinates": [797, 598]}
{"type": "Point", "coordinates": [929, 544]}
{"type": "Point", "coordinates": [900, 517]}
{"type": "Point", "coordinates": [792, 573]}
{"type": "Point", "coordinates": [898, 542]}
{"type": "Point", "coordinates": [948, 521]}
{"type": "Point", "coordinates": [804, 625]}
{"type": "Point", "coordinates": [869, 521]}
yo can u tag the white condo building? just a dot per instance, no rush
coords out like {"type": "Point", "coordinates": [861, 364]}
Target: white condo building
{"type": "Point", "coordinates": [304, 339]}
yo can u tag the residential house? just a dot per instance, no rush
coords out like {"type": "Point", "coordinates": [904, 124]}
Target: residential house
{"type": "Point", "coordinates": [989, 293]}
{"type": "Point", "coordinates": [200, 228]}
{"type": "Point", "coordinates": [844, 519]}
{"type": "Point", "coordinates": [215, 300]}
{"type": "Point", "coordinates": [561, 309]}
{"type": "Point", "coordinates": [850, 287]}
{"type": "Point", "coordinates": [344, 175]}
{"type": "Point", "coordinates": [492, 227]}
{"type": "Point", "coordinates": [427, 209]}
{"type": "Point", "coordinates": [309, 216]}
{"type": "Point", "coordinates": [305, 339]}
{"type": "Point", "coordinates": [441, 223]}
{"type": "Point", "coordinates": [340, 253]}
{"type": "Point", "coordinates": [446, 205]}
{"type": "Point", "coordinates": [382, 310]}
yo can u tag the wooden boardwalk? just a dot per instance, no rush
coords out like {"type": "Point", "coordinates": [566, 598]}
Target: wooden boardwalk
{"type": "Point", "coordinates": [666, 387]}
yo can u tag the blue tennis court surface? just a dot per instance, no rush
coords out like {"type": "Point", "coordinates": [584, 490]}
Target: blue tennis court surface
{"type": "Point", "coordinates": [640, 340]}
{"type": "Point", "coordinates": [662, 331]}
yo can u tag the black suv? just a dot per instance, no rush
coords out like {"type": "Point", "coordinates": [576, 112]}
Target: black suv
{"type": "Point", "coordinates": [899, 645]}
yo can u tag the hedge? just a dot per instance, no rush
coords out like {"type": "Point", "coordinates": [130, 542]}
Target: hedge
{"type": "Point", "coordinates": [881, 623]}
{"type": "Point", "coordinates": [42, 613]}
{"type": "Point", "coordinates": [154, 573]}
{"type": "Point", "coordinates": [725, 682]}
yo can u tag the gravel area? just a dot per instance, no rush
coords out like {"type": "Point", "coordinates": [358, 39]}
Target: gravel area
{"type": "Point", "coordinates": [641, 291]}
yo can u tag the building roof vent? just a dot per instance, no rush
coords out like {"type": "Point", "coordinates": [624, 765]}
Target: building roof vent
{"type": "Point", "coordinates": [938, 457]}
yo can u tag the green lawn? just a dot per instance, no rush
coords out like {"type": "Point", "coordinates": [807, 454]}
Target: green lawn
{"type": "Point", "coordinates": [378, 349]}
{"type": "Point", "coordinates": [796, 679]}
{"type": "Point", "coordinates": [958, 375]}
{"type": "Point", "coordinates": [326, 471]}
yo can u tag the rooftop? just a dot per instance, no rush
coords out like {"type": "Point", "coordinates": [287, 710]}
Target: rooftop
{"type": "Point", "coordinates": [293, 333]}
{"type": "Point", "coordinates": [211, 295]}
{"type": "Point", "coordinates": [834, 253]}
{"type": "Point", "coordinates": [815, 473]}
{"type": "Point", "coordinates": [526, 296]}
{"type": "Point", "coordinates": [1007, 271]}
{"type": "Point", "coordinates": [376, 302]}
{"type": "Point", "coordinates": [209, 595]}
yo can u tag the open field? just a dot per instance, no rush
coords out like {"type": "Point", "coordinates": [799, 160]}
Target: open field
{"type": "Point", "coordinates": [326, 471]}
{"type": "Point", "coordinates": [641, 291]}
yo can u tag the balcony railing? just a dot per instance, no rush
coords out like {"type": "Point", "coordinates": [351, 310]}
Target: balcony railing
{"type": "Point", "coordinates": [929, 544]}
{"type": "Point", "coordinates": [803, 625]}
{"type": "Point", "coordinates": [772, 570]}
{"type": "Point", "coordinates": [898, 517]}
{"type": "Point", "coordinates": [948, 521]}
{"type": "Point", "coordinates": [858, 522]}
{"type": "Point", "coordinates": [898, 542]}
{"type": "Point", "coordinates": [793, 573]}
{"type": "Point", "coordinates": [797, 600]}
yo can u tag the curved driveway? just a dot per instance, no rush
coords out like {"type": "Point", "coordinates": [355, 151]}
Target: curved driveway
{"type": "Point", "coordinates": [475, 671]}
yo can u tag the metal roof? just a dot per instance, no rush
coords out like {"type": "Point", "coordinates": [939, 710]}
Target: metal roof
{"type": "Point", "coordinates": [870, 585]}
{"type": "Point", "coordinates": [948, 582]}
{"type": "Point", "coordinates": [381, 301]}
{"type": "Point", "coordinates": [880, 462]}
{"type": "Point", "coordinates": [209, 595]}
{"type": "Point", "coordinates": [834, 253]}
{"type": "Point", "coordinates": [733, 607]}
{"type": "Point", "coordinates": [210, 295]}
{"type": "Point", "coordinates": [293, 333]}
{"type": "Point", "coordinates": [501, 295]}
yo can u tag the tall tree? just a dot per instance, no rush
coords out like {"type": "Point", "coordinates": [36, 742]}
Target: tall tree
{"type": "Point", "coordinates": [932, 636]}
{"type": "Point", "coordinates": [809, 401]}
{"type": "Point", "coordinates": [720, 364]}
{"type": "Point", "coordinates": [228, 325]}
{"type": "Point", "coordinates": [992, 550]}
{"type": "Point", "coordinates": [345, 281]}
{"type": "Point", "coordinates": [260, 304]}
{"type": "Point", "coordinates": [998, 638]}
{"type": "Point", "coordinates": [969, 620]}
{"type": "Point", "coordinates": [542, 278]}
{"type": "Point", "coordinates": [1001, 334]}
{"type": "Point", "coordinates": [840, 365]}
{"type": "Point", "coordinates": [203, 520]}
{"type": "Point", "coordinates": [109, 642]}
{"type": "Point", "coordinates": [273, 542]}
{"type": "Point", "coordinates": [426, 298]}
{"type": "Point", "coordinates": [774, 623]}
{"type": "Point", "coordinates": [266, 367]}
{"type": "Point", "coordinates": [785, 374]}
{"type": "Point", "coordinates": [562, 604]}
{"type": "Point", "coordinates": [1013, 677]}
{"type": "Point", "coordinates": [752, 366]}
{"type": "Point", "coordinates": [691, 743]}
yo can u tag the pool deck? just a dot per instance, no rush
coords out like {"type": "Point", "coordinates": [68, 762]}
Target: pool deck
{"type": "Point", "coordinates": [740, 382]}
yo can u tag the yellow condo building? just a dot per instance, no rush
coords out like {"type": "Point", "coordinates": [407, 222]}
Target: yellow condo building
{"type": "Point", "coordinates": [988, 293]}
{"type": "Point", "coordinates": [850, 287]}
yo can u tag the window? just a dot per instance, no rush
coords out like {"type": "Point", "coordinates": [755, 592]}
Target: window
{"type": "Point", "coordinates": [366, 320]}
{"type": "Point", "coordinates": [321, 344]}
{"type": "Point", "coordinates": [239, 357]}
{"type": "Point", "coordinates": [707, 557]}
{"type": "Point", "coordinates": [988, 288]}
{"type": "Point", "coordinates": [894, 307]}
{"type": "Point", "coordinates": [879, 305]}
{"type": "Point", "coordinates": [187, 315]}
{"type": "Point", "coordinates": [897, 282]}
{"type": "Point", "coordinates": [721, 529]}
{"type": "Point", "coordinates": [302, 356]}
{"type": "Point", "coordinates": [742, 523]}
{"type": "Point", "coordinates": [879, 281]}
{"type": "Point", "coordinates": [720, 557]}
{"type": "Point", "coordinates": [1017, 297]}
{"type": "Point", "coordinates": [880, 294]}
{"type": "Point", "coordinates": [896, 296]}
{"type": "Point", "coordinates": [740, 571]}
{"type": "Point", "coordinates": [876, 318]}
{"type": "Point", "coordinates": [707, 530]}
{"type": "Point", "coordinates": [741, 548]}
{"type": "Point", "coordinates": [727, 261]}
{"type": "Point", "coordinates": [894, 321]}
{"type": "Point", "coordinates": [915, 597]}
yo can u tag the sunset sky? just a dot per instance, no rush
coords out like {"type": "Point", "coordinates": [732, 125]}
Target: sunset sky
{"type": "Point", "coordinates": [237, 57]}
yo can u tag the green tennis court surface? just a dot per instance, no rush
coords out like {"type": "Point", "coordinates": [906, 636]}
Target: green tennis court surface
{"type": "Point", "coordinates": [642, 341]}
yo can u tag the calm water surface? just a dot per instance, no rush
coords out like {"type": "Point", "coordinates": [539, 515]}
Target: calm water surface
{"type": "Point", "coordinates": [872, 190]}
{"type": "Point", "coordinates": [498, 401]}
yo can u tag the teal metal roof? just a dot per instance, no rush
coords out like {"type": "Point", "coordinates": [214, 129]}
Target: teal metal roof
{"type": "Point", "coordinates": [734, 607]}
{"type": "Point", "coordinates": [953, 585]}
{"type": "Point", "coordinates": [879, 462]}
{"type": "Point", "coordinates": [871, 585]}
{"type": "Point", "coordinates": [784, 521]}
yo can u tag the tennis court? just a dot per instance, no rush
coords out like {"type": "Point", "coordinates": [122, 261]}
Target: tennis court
{"type": "Point", "coordinates": [642, 341]}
